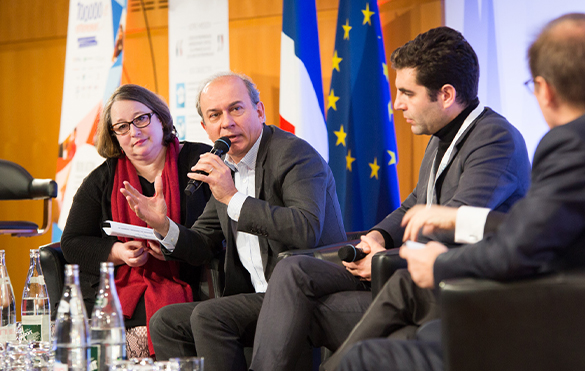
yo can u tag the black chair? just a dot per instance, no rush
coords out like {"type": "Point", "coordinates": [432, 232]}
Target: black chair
{"type": "Point", "coordinates": [532, 324]}
{"type": "Point", "coordinates": [17, 184]}
{"type": "Point", "coordinates": [384, 264]}
{"type": "Point", "coordinates": [53, 266]}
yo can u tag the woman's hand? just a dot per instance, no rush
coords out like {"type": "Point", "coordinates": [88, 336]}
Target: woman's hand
{"type": "Point", "coordinates": [154, 249]}
{"type": "Point", "coordinates": [133, 253]}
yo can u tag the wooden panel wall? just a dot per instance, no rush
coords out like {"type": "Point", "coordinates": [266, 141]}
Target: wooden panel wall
{"type": "Point", "coordinates": [32, 61]}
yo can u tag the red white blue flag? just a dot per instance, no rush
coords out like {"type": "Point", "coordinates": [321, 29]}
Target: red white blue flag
{"type": "Point", "coordinates": [301, 85]}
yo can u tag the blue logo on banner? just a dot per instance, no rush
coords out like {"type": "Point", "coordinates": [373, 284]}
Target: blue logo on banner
{"type": "Point", "coordinates": [87, 41]}
{"type": "Point", "coordinates": [180, 125]}
{"type": "Point", "coordinates": [180, 95]}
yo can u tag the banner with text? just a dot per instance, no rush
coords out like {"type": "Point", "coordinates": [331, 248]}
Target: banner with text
{"type": "Point", "coordinates": [198, 48]}
{"type": "Point", "coordinates": [93, 69]}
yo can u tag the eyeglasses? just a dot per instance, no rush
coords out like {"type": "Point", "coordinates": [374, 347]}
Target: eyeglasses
{"type": "Point", "coordinates": [139, 122]}
{"type": "Point", "coordinates": [529, 85]}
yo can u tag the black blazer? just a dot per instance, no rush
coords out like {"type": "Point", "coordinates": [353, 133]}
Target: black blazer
{"type": "Point", "coordinates": [543, 232]}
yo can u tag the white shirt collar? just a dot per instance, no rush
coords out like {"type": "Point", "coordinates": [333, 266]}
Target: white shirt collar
{"type": "Point", "coordinates": [249, 159]}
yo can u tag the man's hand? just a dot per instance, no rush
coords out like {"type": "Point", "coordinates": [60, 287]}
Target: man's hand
{"type": "Point", "coordinates": [152, 210]}
{"type": "Point", "coordinates": [429, 219]}
{"type": "Point", "coordinates": [371, 244]}
{"type": "Point", "coordinates": [219, 177]}
{"type": "Point", "coordinates": [421, 262]}
{"type": "Point", "coordinates": [131, 253]}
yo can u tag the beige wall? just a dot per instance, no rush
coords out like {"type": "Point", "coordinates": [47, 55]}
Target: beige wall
{"type": "Point", "coordinates": [32, 61]}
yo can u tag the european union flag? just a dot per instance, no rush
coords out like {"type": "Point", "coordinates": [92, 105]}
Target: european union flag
{"type": "Point", "coordinates": [362, 141]}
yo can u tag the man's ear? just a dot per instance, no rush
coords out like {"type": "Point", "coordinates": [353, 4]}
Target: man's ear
{"type": "Point", "coordinates": [448, 95]}
{"type": "Point", "coordinates": [261, 112]}
{"type": "Point", "coordinates": [544, 92]}
{"type": "Point", "coordinates": [203, 125]}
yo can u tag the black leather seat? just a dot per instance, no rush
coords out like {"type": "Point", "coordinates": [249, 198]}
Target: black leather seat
{"type": "Point", "coordinates": [17, 184]}
{"type": "Point", "coordinates": [384, 264]}
{"type": "Point", "coordinates": [533, 324]}
{"type": "Point", "coordinates": [53, 265]}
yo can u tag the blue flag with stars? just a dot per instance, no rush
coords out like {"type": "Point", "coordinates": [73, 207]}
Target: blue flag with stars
{"type": "Point", "coordinates": [360, 125]}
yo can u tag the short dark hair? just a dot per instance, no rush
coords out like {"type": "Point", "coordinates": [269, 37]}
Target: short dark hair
{"type": "Point", "coordinates": [252, 89]}
{"type": "Point", "coordinates": [558, 56]}
{"type": "Point", "coordinates": [107, 144]}
{"type": "Point", "coordinates": [441, 56]}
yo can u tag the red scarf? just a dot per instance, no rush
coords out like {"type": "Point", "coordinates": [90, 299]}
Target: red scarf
{"type": "Point", "coordinates": [157, 280]}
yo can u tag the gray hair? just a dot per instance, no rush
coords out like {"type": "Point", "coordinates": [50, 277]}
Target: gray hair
{"type": "Point", "coordinates": [252, 90]}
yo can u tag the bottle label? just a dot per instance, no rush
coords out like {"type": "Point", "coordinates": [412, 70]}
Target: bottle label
{"type": "Point", "coordinates": [32, 332]}
{"type": "Point", "coordinates": [8, 333]}
{"type": "Point", "coordinates": [37, 279]}
{"type": "Point", "coordinates": [36, 327]}
{"type": "Point", "coordinates": [94, 363]}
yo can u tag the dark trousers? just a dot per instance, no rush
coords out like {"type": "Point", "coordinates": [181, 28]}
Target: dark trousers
{"type": "Point", "coordinates": [393, 354]}
{"type": "Point", "coordinates": [398, 310]}
{"type": "Point", "coordinates": [307, 299]}
{"type": "Point", "coordinates": [216, 329]}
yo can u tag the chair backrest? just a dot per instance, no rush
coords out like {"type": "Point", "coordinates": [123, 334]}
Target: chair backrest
{"type": "Point", "coordinates": [17, 184]}
{"type": "Point", "coordinates": [53, 265]}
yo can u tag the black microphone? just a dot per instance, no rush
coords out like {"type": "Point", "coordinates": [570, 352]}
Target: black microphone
{"type": "Point", "coordinates": [220, 148]}
{"type": "Point", "coordinates": [349, 253]}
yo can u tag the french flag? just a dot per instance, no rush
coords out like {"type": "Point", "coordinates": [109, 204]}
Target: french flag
{"type": "Point", "coordinates": [301, 86]}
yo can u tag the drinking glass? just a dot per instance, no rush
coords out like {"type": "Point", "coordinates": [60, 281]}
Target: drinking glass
{"type": "Point", "coordinates": [166, 366]}
{"type": "Point", "coordinates": [121, 365]}
{"type": "Point", "coordinates": [189, 363]}
{"type": "Point", "coordinates": [142, 361]}
{"type": "Point", "coordinates": [17, 356]}
{"type": "Point", "coordinates": [41, 355]}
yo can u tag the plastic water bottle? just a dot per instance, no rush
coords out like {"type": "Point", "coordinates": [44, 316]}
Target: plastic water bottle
{"type": "Point", "coordinates": [71, 340]}
{"type": "Point", "coordinates": [35, 310]}
{"type": "Point", "coordinates": [8, 305]}
{"type": "Point", "coordinates": [108, 335]}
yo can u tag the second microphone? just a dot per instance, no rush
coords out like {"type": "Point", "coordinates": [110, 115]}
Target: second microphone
{"type": "Point", "coordinates": [220, 148]}
{"type": "Point", "coordinates": [349, 253]}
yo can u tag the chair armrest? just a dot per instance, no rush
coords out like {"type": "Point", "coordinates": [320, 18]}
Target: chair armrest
{"type": "Point", "coordinates": [384, 264]}
{"type": "Point", "coordinates": [53, 266]}
{"type": "Point", "coordinates": [327, 252]}
{"type": "Point", "coordinates": [532, 324]}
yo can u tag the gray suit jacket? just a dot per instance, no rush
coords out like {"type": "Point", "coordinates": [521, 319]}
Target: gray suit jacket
{"type": "Point", "coordinates": [295, 207]}
{"type": "Point", "coordinates": [543, 232]}
{"type": "Point", "coordinates": [489, 167]}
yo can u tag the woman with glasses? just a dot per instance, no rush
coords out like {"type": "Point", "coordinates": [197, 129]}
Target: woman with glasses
{"type": "Point", "coordinates": [137, 137]}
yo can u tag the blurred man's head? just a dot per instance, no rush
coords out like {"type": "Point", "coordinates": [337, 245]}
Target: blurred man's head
{"type": "Point", "coordinates": [437, 76]}
{"type": "Point", "coordinates": [557, 64]}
